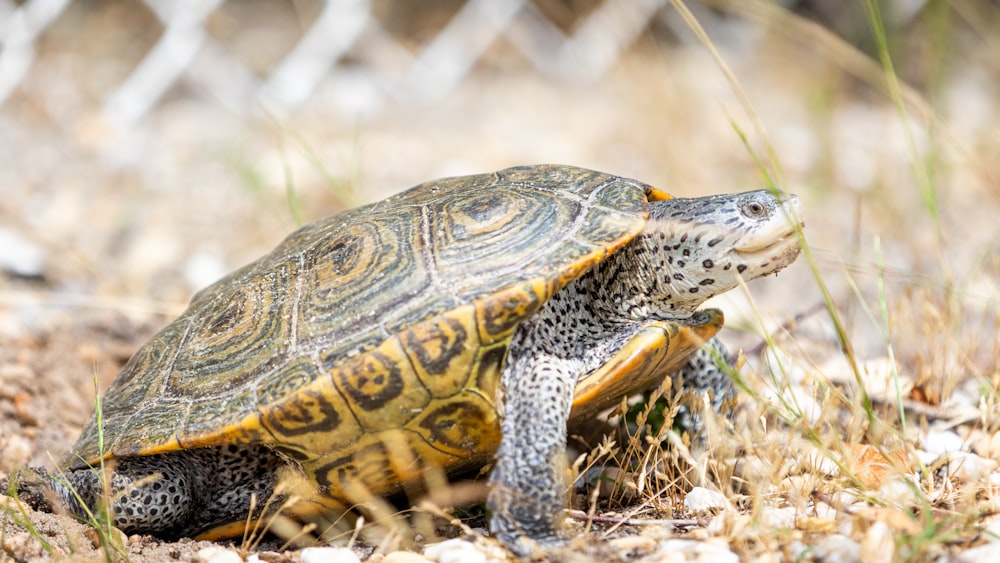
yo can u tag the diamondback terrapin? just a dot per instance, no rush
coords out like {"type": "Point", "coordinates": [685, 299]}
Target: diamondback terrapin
{"type": "Point", "coordinates": [464, 321]}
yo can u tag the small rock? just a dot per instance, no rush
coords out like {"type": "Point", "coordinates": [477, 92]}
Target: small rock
{"type": "Point", "coordinates": [804, 402]}
{"type": "Point", "coordinates": [405, 557]}
{"type": "Point", "coordinates": [986, 444]}
{"type": "Point", "coordinates": [615, 482]}
{"type": "Point", "coordinates": [633, 544]}
{"type": "Point", "coordinates": [715, 551]}
{"type": "Point", "coordinates": [925, 457]}
{"type": "Point", "coordinates": [879, 543]}
{"type": "Point", "coordinates": [991, 531]}
{"type": "Point", "coordinates": [817, 462]}
{"type": "Point", "coordinates": [797, 486]}
{"type": "Point", "coordinates": [967, 468]}
{"type": "Point", "coordinates": [836, 548]}
{"type": "Point", "coordinates": [940, 443]}
{"type": "Point", "coordinates": [217, 554]}
{"type": "Point", "coordinates": [700, 499]}
{"type": "Point", "coordinates": [116, 537]}
{"type": "Point", "coordinates": [692, 550]}
{"type": "Point", "coordinates": [777, 518]}
{"type": "Point", "coordinates": [454, 551]}
{"type": "Point", "coordinates": [899, 491]}
{"type": "Point", "coordinates": [883, 381]}
{"type": "Point", "coordinates": [19, 256]}
{"type": "Point", "coordinates": [328, 555]}
{"type": "Point", "coordinates": [987, 552]}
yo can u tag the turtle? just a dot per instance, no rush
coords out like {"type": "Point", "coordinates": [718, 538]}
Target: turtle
{"type": "Point", "coordinates": [464, 322]}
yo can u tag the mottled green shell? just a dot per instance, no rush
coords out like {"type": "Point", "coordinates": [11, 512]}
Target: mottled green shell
{"type": "Point", "coordinates": [379, 330]}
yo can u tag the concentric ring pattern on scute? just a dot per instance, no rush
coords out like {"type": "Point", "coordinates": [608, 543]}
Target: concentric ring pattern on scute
{"type": "Point", "coordinates": [389, 320]}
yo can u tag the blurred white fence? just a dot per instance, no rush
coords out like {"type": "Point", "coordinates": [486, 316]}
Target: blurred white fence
{"type": "Point", "coordinates": [184, 49]}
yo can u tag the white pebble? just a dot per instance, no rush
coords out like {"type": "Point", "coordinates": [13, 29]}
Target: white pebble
{"type": "Point", "coordinates": [967, 468]}
{"type": "Point", "coordinates": [328, 555]}
{"type": "Point", "coordinates": [899, 491]}
{"type": "Point", "coordinates": [879, 543]}
{"type": "Point", "coordinates": [991, 531]}
{"type": "Point", "coordinates": [715, 552]}
{"type": "Point", "coordinates": [836, 548]}
{"type": "Point", "coordinates": [217, 554]}
{"type": "Point", "coordinates": [986, 552]}
{"type": "Point", "coordinates": [942, 442]}
{"type": "Point", "coordinates": [925, 457]}
{"type": "Point", "coordinates": [633, 544]}
{"type": "Point", "coordinates": [700, 499]}
{"type": "Point", "coordinates": [18, 255]}
{"type": "Point", "coordinates": [697, 550]}
{"type": "Point", "coordinates": [778, 518]}
{"type": "Point", "coordinates": [454, 551]}
{"type": "Point", "coordinates": [816, 462]}
{"type": "Point", "coordinates": [404, 557]}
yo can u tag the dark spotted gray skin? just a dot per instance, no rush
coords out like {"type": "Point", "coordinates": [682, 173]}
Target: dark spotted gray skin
{"type": "Point", "coordinates": [176, 494]}
{"type": "Point", "coordinates": [689, 251]}
{"type": "Point", "coordinates": [702, 377]}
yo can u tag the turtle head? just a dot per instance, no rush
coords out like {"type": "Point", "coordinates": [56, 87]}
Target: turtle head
{"type": "Point", "coordinates": [695, 248]}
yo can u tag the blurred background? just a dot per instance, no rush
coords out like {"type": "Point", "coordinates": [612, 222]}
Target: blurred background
{"type": "Point", "coordinates": [149, 146]}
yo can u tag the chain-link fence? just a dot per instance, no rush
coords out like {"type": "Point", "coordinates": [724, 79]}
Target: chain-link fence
{"type": "Point", "coordinates": [391, 50]}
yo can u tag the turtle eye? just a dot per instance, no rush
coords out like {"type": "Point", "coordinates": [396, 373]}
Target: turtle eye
{"type": "Point", "coordinates": [754, 208]}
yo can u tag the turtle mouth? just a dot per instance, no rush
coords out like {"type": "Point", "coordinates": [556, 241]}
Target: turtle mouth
{"type": "Point", "coordinates": [785, 243]}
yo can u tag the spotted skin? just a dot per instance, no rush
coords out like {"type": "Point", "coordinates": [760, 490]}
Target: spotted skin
{"type": "Point", "coordinates": [166, 492]}
{"type": "Point", "coordinates": [463, 320]}
{"type": "Point", "coordinates": [702, 379]}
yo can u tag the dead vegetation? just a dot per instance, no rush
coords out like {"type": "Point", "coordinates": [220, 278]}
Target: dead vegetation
{"type": "Point", "coordinates": [866, 430]}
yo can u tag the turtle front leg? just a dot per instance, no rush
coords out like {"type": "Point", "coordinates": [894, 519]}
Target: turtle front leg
{"type": "Point", "coordinates": [528, 488]}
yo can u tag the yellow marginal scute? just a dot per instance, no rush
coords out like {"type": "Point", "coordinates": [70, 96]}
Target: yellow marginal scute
{"type": "Point", "coordinates": [443, 350]}
{"type": "Point", "coordinates": [499, 314]}
{"type": "Point", "coordinates": [381, 387]}
{"type": "Point", "coordinates": [311, 421]}
{"type": "Point", "coordinates": [489, 363]}
{"type": "Point", "coordinates": [463, 425]}
{"type": "Point", "coordinates": [657, 350]}
{"type": "Point", "coordinates": [377, 464]}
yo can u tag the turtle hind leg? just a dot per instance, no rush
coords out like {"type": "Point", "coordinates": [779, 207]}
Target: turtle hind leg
{"type": "Point", "coordinates": [169, 495]}
{"type": "Point", "coordinates": [153, 494]}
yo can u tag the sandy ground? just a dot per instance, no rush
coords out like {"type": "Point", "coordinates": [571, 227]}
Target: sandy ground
{"type": "Point", "coordinates": [106, 235]}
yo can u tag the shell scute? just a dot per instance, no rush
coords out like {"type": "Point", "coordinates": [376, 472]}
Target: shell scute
{"type": "Point", "coordinates": [443, 349]}
{"type": "Point", "coordinates": [314, 419]}
{"type": "Point", "coordinates": [462, 425]}
{"type": "Point", "coordinates": [381, 387]}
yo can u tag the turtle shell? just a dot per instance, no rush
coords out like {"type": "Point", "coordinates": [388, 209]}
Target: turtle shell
{"type": "Point", "coordinates": [370, 344]}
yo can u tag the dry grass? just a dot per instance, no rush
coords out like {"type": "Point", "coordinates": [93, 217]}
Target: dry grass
{"type": "Point", "coordinates": [882, 343]}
